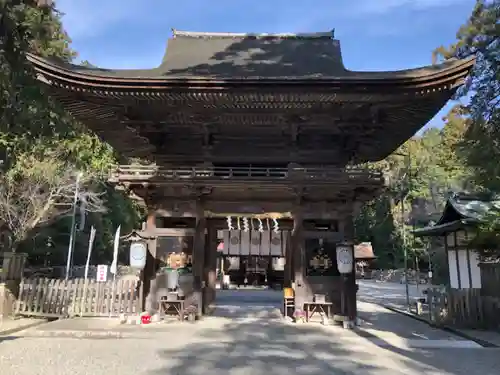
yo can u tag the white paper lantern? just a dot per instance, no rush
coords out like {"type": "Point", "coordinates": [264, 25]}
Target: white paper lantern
{"type": "Point", "coordinates": [345, 258]}
{"type": "Point", "coordinates": [138, 254]}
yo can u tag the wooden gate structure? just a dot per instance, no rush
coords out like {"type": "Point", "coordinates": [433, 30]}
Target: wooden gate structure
{"type": "Point", "coordinates": [256, 126]}
{"type": "Point", "coordinates": [58, 298]}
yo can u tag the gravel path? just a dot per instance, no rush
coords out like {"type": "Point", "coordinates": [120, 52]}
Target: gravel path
{"type": "Point", "coordinates": [220, 346]}
{"type": "Point", "coordinates": [242, 342]}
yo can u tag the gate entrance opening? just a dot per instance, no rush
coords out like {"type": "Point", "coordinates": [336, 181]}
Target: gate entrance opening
{"type": "Point", "coordinates": [252, 258]}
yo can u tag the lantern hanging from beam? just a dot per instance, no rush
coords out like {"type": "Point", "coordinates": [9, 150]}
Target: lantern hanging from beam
{"type": "Point", "coordinates": [345, 258]}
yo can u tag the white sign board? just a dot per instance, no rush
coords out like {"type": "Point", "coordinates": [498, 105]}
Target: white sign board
{"type": "Point", "coordinates": [102, 273]}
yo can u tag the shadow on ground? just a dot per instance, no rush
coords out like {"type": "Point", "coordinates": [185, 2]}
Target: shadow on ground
{"type": "Point", "coordinates": [270, 346]}
{"type": "Point", "coordinates": [7, 338]}
{"type": "Point", "coordinates": [262, 347]}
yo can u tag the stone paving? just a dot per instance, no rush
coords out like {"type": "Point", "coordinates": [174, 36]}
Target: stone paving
{"type": "Point", "coordinates": [386, 327]}
{"type": "Point", "coordinates": [8, 326]}
{"type": "Point", "coordinates": [239, 341]}
{"type": "Point", "coordinates": [393, 295]}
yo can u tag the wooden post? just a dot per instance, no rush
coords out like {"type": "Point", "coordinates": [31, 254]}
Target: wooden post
{"type": "Point", "coordinates": [149, 271]}
{"type": "Point", "coordinates": [288, 277]}
{"type": "Point", "coordinates": [297, 249]}
{"type": "Point", "coordinates": [210, 271]}
{"type": "Point", "coordinates": [13, 266]}
{"type": "Point", "coordinates": [10, 279]}
{"type": "Point", "coordinates": [199, 257]}
{"type": "Point", "coordinates": [350, 286]}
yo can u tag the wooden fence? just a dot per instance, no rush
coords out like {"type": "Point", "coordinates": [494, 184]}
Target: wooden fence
{"type": "Point", "coordinates": [490, 279]}
{"type": "Point", "coordinates": [56, 298]}
{"type": "Point", "coordinates": [12, 267]}
{"type": "Point", "coordinates": [465, 308]}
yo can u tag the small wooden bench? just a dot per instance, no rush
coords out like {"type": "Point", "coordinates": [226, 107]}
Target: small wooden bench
{"type": "Point", "coordinates": [312, 308]}
{"type": "Point", "coordinates": [172, 307]}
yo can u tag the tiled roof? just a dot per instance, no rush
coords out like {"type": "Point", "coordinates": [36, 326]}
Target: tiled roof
{"type": "Point", "coordinates": [192, 55]}
{"type": "Point", "coordinates": [364, 250]}
{"type": "Point", "coordinates": [242, 55]}
{"type": "Point", "coordinates": [460, 210]}
{"type": "Point", "coordinates": [471, 207]}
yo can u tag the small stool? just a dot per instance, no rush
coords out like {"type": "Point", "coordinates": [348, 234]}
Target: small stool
{"type": "Point", "coordinates": [288, 303]}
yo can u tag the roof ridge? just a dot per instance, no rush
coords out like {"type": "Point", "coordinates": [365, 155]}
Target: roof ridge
{"type": "Point", "coordinates": [468, 196]}
{"type": "Point", "coordinates": [195, 34]}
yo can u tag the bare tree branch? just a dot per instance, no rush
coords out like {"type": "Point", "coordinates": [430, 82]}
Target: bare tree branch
{"type": "Point", "coordinates": [40, 193]}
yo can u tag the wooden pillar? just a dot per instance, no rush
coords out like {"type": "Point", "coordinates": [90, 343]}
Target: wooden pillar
{"type": "Point", "coordinates": [149, 272]}
{"type": "Point", "coordinates": [288, 274]}
{"type": "Point", "coordinates": [350, 286]}
{"type": "Point", "coordinates": [199, 257]}
{"type": "Point", "coordinates": [297, 249]}
{"type": "Point", "coordinates": [210, 271]}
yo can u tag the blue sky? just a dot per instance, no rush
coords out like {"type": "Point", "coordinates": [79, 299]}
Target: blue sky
{"type": "Point", "coordinates": [374, 34]}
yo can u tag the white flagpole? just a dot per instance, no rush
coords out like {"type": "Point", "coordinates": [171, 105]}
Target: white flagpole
{"type": "Point", "coordinates": [114, 268]}
{"type": "Point", "coordinates": [91, 245]}
{"type": "Point", "coordinates": [114, 265]}
{"type": "Point", "coordinates": [87, 263]}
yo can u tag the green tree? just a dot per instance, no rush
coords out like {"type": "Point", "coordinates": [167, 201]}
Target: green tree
{"type": "Point", "coordinates": [34, 127]}
{"type": "Point", "coordinates": [421, 174]}
{"type": "Point", "coordinates": [480, 37]}
{"type": "Point", "coordinates": [480, 147]}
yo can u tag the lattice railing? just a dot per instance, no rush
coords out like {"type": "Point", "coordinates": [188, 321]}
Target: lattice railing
{"type": "Point", "coordinates": [139, 173]}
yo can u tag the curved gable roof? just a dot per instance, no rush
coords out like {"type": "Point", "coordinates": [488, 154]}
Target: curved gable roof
{"type": "Point", "coordinates": [229, 56]}
{"type": "Point", "coordinates": [460, 210]}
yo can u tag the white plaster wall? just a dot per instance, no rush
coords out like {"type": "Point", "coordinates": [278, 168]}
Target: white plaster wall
{"type": "Point", "coordinates": [465, 282]}
{"type": "Point", "coordinates": [464, 271]}
{"type": "Point", "coordinates": [475, 270]}
{"type": "Point", "coordinates": [452, 264]}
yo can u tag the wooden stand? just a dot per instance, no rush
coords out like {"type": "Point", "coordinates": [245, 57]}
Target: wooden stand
{"type": "Point", "coordinates": [288, 304]}
{"type": "Point", "coordinates": [323, 308]}
{"type": "Point", "coordinates": [167, 306]}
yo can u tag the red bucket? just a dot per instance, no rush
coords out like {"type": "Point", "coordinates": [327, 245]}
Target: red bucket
{"type": "Point", "coordinates": [146, 319]}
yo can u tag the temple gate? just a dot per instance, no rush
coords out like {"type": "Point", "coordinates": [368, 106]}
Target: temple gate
{"type": "Point", "coordinates": [260, 127]}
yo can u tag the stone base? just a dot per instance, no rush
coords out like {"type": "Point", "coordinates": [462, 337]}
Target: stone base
{"type": "Point", "coordinates": [348, 324]}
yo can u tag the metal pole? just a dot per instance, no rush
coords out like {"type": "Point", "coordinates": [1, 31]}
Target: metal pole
{"type": "Point", "coordinates": [405, 249]}
{"type": "Point", "coordinates": [405, 253]}
{"type": "Point", "coordinates": [71, 244]}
